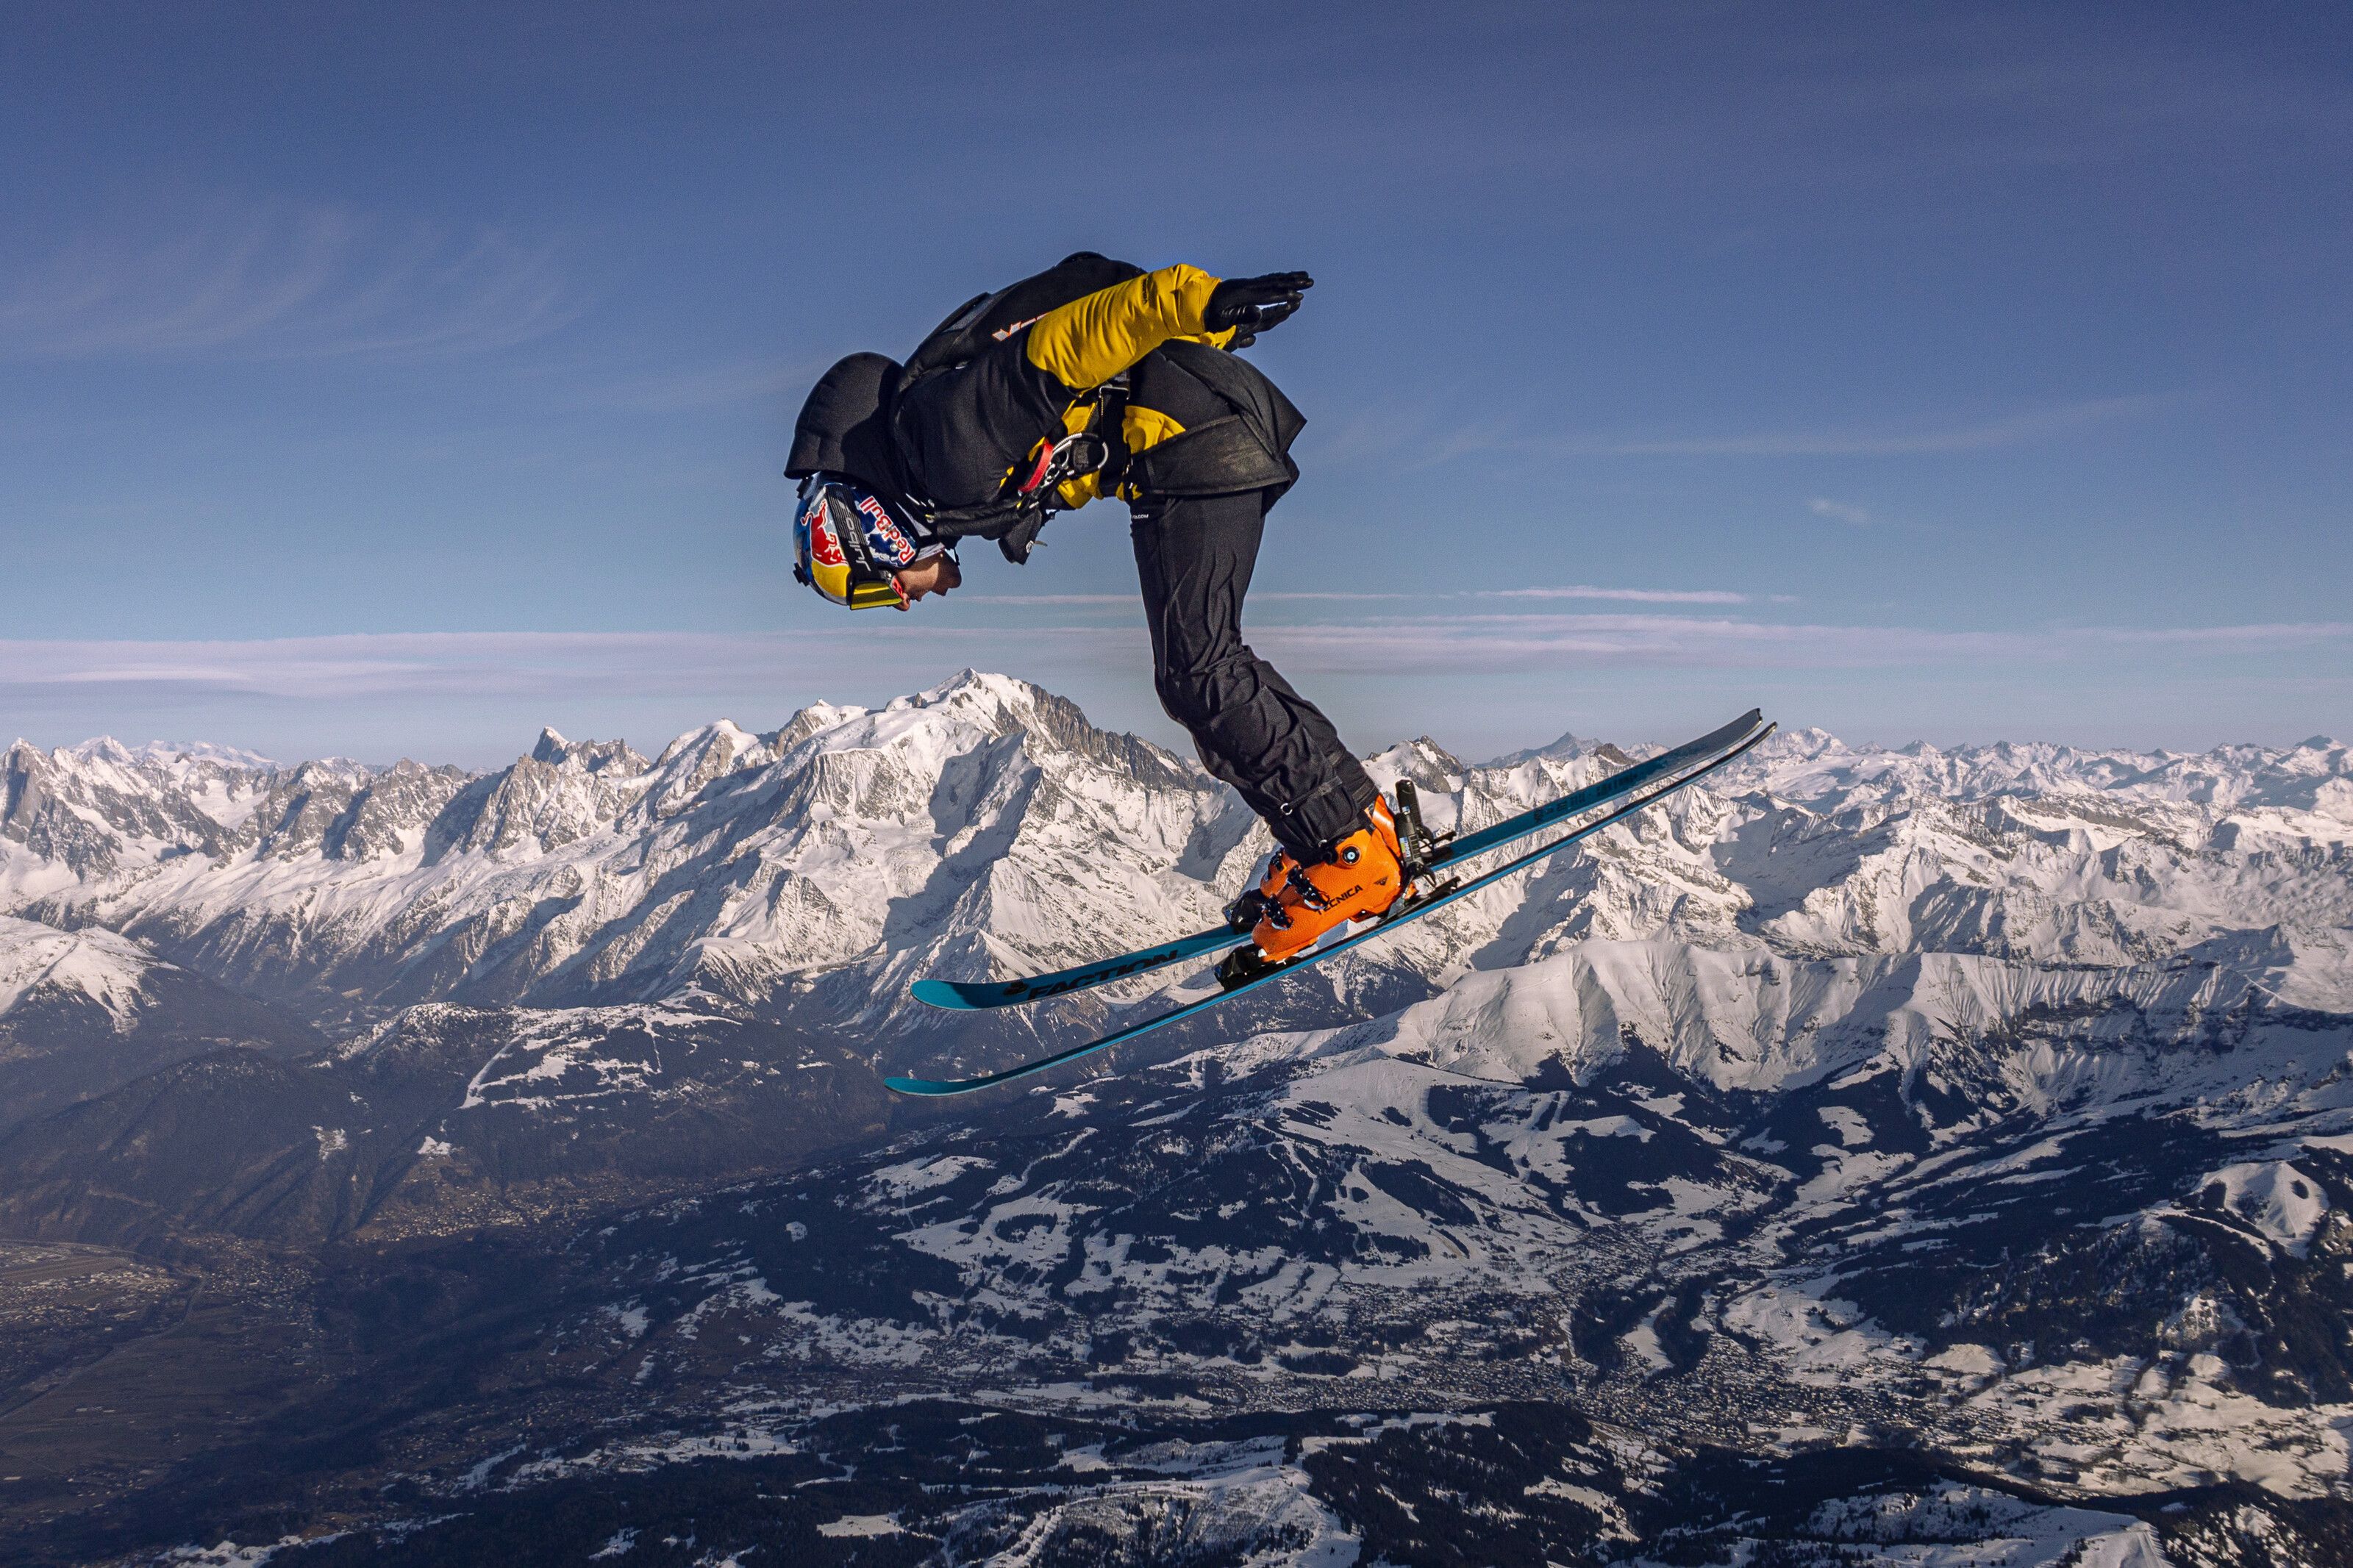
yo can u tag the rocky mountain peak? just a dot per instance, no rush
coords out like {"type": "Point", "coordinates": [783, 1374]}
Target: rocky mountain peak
{"type": "Point", "coordinates": [618, 758]}
{"type": "Point", "coordinates": [989, 699]}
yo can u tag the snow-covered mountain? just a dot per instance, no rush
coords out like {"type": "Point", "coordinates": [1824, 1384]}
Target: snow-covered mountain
{"type": "Point", "coordinates": [1958, 1140]}
{"type": "Point", "coordinates": [87, 1010]}
{"type": "Point", "coordinates": [985, 813]}
{"type": "Point", "coordinates": [983, 827]}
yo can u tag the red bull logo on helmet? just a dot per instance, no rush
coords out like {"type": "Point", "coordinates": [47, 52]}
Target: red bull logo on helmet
{"type": "Point", "coordinates": [822, 561]}
{"type": "Point", "coordinates": [889, 543]}
{"type": "Point", "coordinates": [824, 548]}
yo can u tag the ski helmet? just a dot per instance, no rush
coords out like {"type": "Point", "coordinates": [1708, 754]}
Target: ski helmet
{"type": "Point", "coordinates": [848, 542]}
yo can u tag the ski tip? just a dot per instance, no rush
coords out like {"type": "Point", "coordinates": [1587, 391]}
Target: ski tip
{"type": "Point", "coordinates": [947, 994]}
{"type": "Point", "coordinates": [920, 1086]}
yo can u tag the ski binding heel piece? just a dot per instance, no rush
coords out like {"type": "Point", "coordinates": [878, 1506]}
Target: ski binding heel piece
{"type": "Point", "coordinates": [1414, 839]}
{"type": "Point", "coordinates": [1241, 967]}
{"type": "Point", "coordinates": [1416, 900]}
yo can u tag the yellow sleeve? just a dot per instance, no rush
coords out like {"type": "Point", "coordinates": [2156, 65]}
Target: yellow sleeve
{"type": "Point", "coordinates": [1087, 341]}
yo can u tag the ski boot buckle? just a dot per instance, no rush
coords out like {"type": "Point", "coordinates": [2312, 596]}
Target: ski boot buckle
{"type": "Point", "coordinates": [1246, 911]}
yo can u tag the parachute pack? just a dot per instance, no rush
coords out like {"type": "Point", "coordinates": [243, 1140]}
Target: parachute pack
{"type": "Point", "coordinates": [845, 426]}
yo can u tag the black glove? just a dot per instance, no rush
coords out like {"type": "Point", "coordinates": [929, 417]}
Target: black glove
{"type": "Point", "coordinates": [1253, 305]}
{"type": "Point", "coordinates": [1016, 544]}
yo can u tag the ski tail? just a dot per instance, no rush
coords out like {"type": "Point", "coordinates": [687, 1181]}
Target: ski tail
{"type": "Point", "coordinates": [969, 995]}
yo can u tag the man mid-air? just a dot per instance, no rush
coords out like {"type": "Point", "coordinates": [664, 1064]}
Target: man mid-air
{"type": "Point", "coordinates": [1090, 380]}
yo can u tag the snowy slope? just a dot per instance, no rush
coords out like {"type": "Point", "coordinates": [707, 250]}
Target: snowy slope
{"type": "Point", "coordinates": [86, 1011]}
{"type": "Point", "coordinates": [96, 966]}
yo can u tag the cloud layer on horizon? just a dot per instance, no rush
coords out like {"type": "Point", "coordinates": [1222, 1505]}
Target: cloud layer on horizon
{"type": "Point", "coordinates": [457, 665]}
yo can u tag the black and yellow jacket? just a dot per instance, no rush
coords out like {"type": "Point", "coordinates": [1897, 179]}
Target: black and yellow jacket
{"type": "Point", "coordinates": [1015, 371]}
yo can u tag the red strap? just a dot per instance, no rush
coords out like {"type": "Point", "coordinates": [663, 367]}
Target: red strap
{"type": "Point", "coordinates": [1037, 475]}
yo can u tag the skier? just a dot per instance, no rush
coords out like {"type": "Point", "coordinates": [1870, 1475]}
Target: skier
{"type": "Point", "coordinates": [1091, 379]}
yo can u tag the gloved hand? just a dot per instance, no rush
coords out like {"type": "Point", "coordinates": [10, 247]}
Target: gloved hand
{"type": "Point", "coordinates": [1019, 541]}
{"type": "Point", "coordinates": [1253, 305]}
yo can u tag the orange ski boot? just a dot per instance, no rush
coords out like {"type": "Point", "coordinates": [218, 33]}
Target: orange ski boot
{"type": "Point", "coordinates": [1296, 904]}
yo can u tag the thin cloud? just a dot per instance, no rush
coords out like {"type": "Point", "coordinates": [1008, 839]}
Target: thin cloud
{"type": "Point", "coordinates": [572, 665]}
{"type": "Point", "coordinates": [2208, 636]}
{"type": "Point", "coordinates": [1441, 643]}
{"type": "Point", "coordinates": [276, 284]}
{"type": "Point", "coordinates": [1839, 511]}
{"type": "Point", "coordinates": [1257, 598]}
{"type": "Point", "coordinates": [1631, 595]}
{"type": "Point", "coordinates": [2020, 428]}
{"type": "Point", "coordinates": [1301, 598]}
{"type": "Point", "coordinates": [1525, 642]}
{"type": "Point", "coordinates": [438, 664]}
{"type": "Point", "coordinates": [712, 386]}
{"type": "Point", "coordinates": [1043, 599]}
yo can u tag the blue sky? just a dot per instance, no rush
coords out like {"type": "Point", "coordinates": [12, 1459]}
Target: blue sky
{"type": "Point", "coordinates": [394, 381]}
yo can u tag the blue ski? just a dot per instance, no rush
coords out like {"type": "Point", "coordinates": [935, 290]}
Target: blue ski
{"type": "Point", "coordinates": [971, 994]}
{"type": "Point", "coordinates": [1447, 895]}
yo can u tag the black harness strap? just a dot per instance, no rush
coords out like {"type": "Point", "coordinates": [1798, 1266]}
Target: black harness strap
{"type": "Point", "coordinates": [1111, 424]}
{"type": "Point", "coordinates": [1019, 514]}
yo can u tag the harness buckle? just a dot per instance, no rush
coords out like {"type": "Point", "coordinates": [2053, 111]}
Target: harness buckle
{"type": "Point", "coordinates": [1066, 459]}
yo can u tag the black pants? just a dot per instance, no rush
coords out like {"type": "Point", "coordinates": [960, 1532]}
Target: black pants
{"type": "Point", "coordinates": [1194, 555]}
